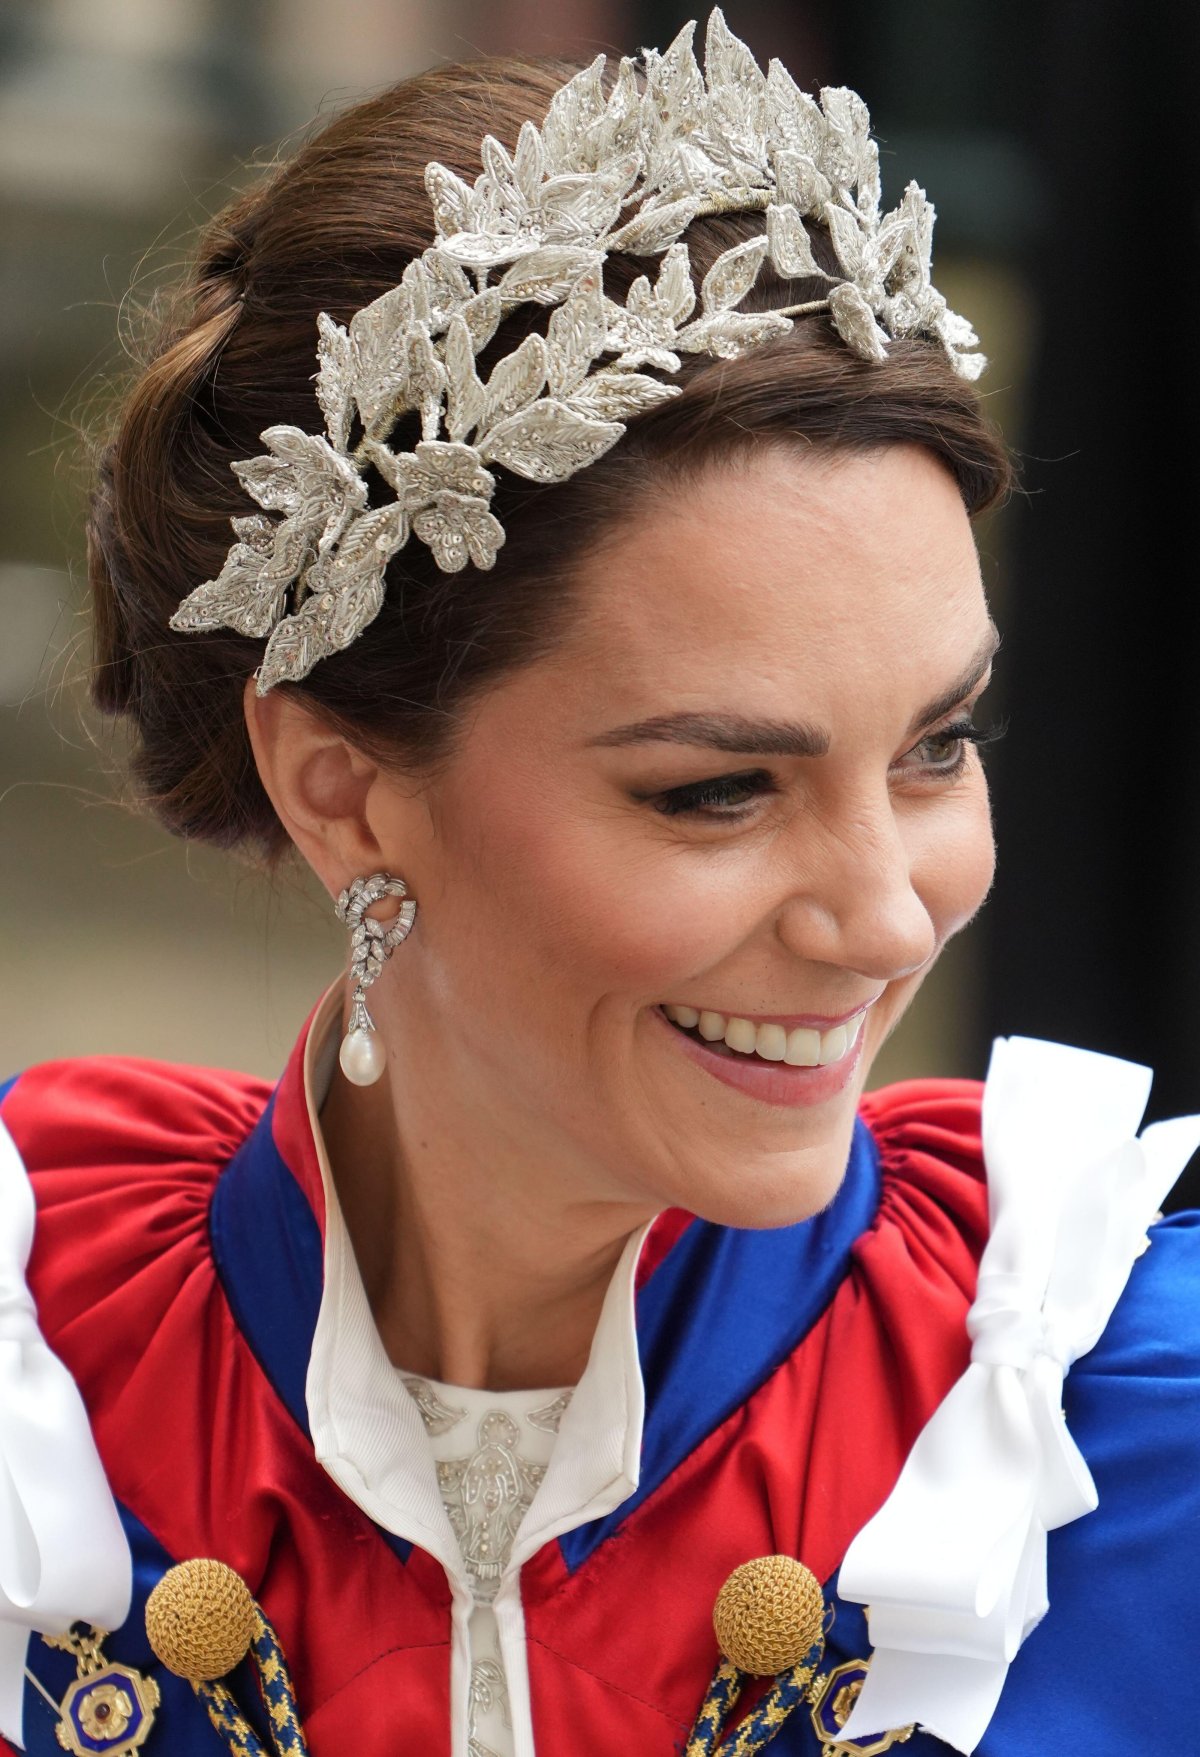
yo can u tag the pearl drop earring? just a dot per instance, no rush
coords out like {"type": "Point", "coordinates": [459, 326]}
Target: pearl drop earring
{"type": "Point", "coordinates": [362, 1055]}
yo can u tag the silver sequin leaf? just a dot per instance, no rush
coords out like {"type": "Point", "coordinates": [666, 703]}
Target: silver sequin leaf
{"type": "Point", "coordinates": [378, 339]}
{"type": "Point", "coordinates": [459, 528]}
{"type": "Point", "coordinates": [618, 132]}
{"type": "Point", "coordinates": [498, 188]}
{"type": "Point", "coordinates": [349, 595]}
{"type": "Point", "coordinates": [465, 395]}
{"type": "Point", "coordinates": [295, 646]}
{"type": "Point", "coordinates": [334, 380]}
{"type": "Point", "coordinates": [654, 228]}
{"type": "Point", "coordinates": [640, 331]}
{"type": "Point", "coordinates": [434, 467]}
{"type": "Point", "coordinates": [729, 66]}
{"type": "Point", "coordinates": [956, 332]}
{"type": "Point", "coordinates": [585, 132]}
{"type": "Point", "coordinates": [576, 110]}
{"type": "Point", "coordinates": [738, 115]}
{"type": "Point", "coordinates": [452, 200]}
{"type": "Point", "coordinates": [305, 479]}
{"type": "Point", "coordinates": [790, 245]}
{"type": "Point", "coordinates": [449, 288]}
{"type": "Point", "coordinates": [548, 275]}
{"type": "Point", "coordinates": [968, 366]}
{"type": "Point", "coordinates": [850, 159]}
{"type": "Point", "coordinates": [482, 316]}
{"type": "Point", "coordinates": [855, 322]}
{"type": "Point", "coordinates": [732, 275]}
{"type": "Point", "coordinates": [581, 209]}
{"type": "Point", "coordinates": [911, 226]}
{"type": "Point", "coordinates": [850, 243]}
{"type": "Point", "coordinates": [727, 334]}
{"type": "Point", "coordinates": [529, 163]}
{"type": "Point", "coordinates": [548, 442]}
{"type": "Point", "coordinates": [800, 184]}
{"type": "Point", "coordinates": [426, 381]}
{"type": "Point", "coordinates": [610, 395]}
{"type": "Point", "coordinates": [675, 91]}
{"type": "Point", "coordinates": [674, 293]}
{"type": "Point", "coordinates": [248, 593]}
{"type": "Point", "coordinates": [576, 336]}
{"type": "Point", "coordinates": [515, 381]}
{"type": "Point", "coordinates": [796, 122]}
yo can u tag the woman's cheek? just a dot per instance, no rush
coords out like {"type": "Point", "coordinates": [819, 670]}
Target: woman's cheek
{"type": "Point", "coordinates": [955, 860]}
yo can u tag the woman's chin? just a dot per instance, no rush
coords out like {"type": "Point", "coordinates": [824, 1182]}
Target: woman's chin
{"type": "Point", "coordinates": [757, 1195]}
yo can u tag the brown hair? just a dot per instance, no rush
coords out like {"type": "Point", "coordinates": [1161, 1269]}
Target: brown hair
{"type": "Point", "coordinates": [330, 230]}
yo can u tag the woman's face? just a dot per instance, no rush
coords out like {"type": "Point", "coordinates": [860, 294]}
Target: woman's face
{"type": "Point", "coordinates": [740, 796]}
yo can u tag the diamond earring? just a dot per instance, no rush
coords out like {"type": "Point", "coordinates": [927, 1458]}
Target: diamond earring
{"type": "Point", "coordinates": [372, 943]}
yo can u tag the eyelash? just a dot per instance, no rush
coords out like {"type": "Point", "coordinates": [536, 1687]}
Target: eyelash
{"type": "Point", "coordinates": [705, 798]}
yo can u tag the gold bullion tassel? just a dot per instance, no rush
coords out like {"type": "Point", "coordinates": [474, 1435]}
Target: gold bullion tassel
{"type": "Point", "coordinates": [202, 1621]}
{"type": "Point", "coordinates": [109, 1708]}
{"type": "Point", "coordinates": [770, 1621]}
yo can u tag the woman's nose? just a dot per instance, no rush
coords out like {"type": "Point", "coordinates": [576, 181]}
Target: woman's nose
{"type": "Point", "coordinates": [854, 902]}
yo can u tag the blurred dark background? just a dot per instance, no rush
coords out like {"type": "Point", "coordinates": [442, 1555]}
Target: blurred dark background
{"type": "Point", "coordinates": [1059, 143]}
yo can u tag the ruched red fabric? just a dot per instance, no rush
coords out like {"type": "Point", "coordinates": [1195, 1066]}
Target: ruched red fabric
{"type": "Point", "coordinates": [124, 1158]}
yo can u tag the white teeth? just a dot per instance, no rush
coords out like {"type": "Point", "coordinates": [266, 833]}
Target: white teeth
{"type": "Point", "coordinates": [801, 1047]}
{"type": "Point", "coordinates": [770, 1041]}
{"type": "Point", "coordinates": [741, 1035]}
{"type": "Point", "coordinates": [804, 1048]}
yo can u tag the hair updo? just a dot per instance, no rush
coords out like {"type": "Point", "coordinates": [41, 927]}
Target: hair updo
{"type": "Point", "coordinates": [330, 230]}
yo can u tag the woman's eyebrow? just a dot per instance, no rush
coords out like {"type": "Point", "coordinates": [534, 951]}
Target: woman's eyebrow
{"type": "Point", "coordinates": [739, 735]}
{"type": "Point", "coordinates": [729, 732]}
{"type": "Point", "coordinates": [958, 691]}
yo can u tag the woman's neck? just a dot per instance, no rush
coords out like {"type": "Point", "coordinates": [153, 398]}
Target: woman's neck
{"type": "Point", "coordinates": [481, 1269]}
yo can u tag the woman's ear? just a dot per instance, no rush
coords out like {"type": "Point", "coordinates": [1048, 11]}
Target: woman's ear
{"type": "Point", "coordinates": [319, 784]}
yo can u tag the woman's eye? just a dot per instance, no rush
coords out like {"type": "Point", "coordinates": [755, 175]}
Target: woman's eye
{"type": "Point", "coordinates": [715, 797]}
{"type": "Point", "coordinates": [944, 752]}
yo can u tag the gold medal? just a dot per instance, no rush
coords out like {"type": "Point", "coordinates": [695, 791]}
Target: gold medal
{"type": "Point", "coordinates": [833, 1698]}
{"type": "Point", "coordinates": [108, 1710]}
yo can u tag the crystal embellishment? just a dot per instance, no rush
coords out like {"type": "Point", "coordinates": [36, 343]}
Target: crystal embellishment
{"type": "Point", "coordinates": [623, 171]}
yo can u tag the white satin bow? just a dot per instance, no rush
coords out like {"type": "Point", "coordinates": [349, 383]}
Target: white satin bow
{"type": "Point", "coordinates": [64, 1556]}
{"type": "Point", "coordinates": [953, 1566]}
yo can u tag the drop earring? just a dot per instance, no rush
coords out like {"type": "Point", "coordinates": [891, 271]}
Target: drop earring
{"type": "Point", "coordinates": [372, 943]}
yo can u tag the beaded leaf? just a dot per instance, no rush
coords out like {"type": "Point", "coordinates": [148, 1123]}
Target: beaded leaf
{"type": "Point", "coordinates": [621, 165]}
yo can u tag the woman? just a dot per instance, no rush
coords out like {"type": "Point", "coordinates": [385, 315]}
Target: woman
{"type": "Point", "coordinates": [624, 637]}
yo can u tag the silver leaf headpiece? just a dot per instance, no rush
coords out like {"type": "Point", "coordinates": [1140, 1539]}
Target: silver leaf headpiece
{"type": "Point", "coordinates": [625, 172]}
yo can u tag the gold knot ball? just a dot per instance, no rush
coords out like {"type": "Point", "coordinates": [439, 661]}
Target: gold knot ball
{"type": "Point", "coordinates": [768, 1614]}
{"type": "Point", "coordinates": [200, 1620]}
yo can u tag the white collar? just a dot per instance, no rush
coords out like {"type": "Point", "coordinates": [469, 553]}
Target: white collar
{"type": "Point", "coordinates": [367, 1430]}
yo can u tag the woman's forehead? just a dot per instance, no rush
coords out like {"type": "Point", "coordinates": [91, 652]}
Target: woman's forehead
{"type": "Point", "coordinates": [785, 566]}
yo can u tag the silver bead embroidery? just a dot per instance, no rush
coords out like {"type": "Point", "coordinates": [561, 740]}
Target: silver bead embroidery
{"type": "Point", "coordinates": [545, 219]}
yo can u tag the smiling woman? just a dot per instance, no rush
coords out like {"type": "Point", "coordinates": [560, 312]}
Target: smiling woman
{"type": "Point", "coordinates": [624, 642]}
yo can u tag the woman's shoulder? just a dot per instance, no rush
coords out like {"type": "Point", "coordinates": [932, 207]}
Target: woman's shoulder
{"type": "Point", "coordinates": [126, 1116]}
{"type": "Point", "coordinates": [933, 1202]}
{"type": "Point", "coordinates": [122, 1155]}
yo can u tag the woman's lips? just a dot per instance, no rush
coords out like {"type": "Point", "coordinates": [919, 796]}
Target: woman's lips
{"type": "Point", "coordinates": [771, 1082]}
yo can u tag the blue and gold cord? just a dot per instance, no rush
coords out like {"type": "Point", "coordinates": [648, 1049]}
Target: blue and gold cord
{"type": "Point", "coordinates": [287, 1736]}
{"type": "Point", "coordinates": [277, 1690]}
{"type": "Point", "coordinates": [229, 1720]}
{"type": "Point", "coordinates": [788, 1691]}
{"type": "Point", "coordinates": [723, 1692]}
